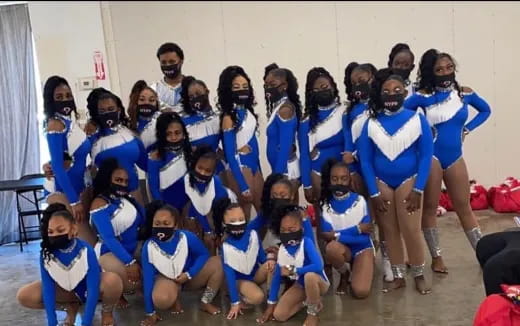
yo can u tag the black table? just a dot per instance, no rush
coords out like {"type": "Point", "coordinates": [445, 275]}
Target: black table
{"type": "Point", "coordinates": [22, 185]}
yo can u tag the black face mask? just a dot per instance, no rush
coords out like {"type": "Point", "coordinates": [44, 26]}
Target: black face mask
{"type": "Point", "coordinates": [174, 145]}
{"type": "Point", "coordinates": [118, 190]}
{"type": "Point", "coordinates": [64, 107]}
{"type": "Point", "coordinates": [324, 97]}
{"type": "Point", "coordinates": [200, 177]}
{"type": "Point", "coordinates": [200, 103]}
{"type": "Point", "coordinates": [404, 73]}
{"type": "Point", "coordinates": [171, 71]}
{"type": "Point", "coordinates": [279, 202]}
{"type": "Point", "coordinates": [163, 233]}
{"type": "Point", "coordinates": [59, 241]}
{"type": "Point", "coordinates": [241, 97]}
{"type": "Point", "coordinates": [236, 229]}
{"type": "Point", "coordinates": [291, 238]}
{"type": "Point", "coordinates": [109, 120]}
{"type": "Point", "coordinates": [444, 81]}
{"type": "Point", "coordinates": [392, 102]}
{"type": "Point", "coordinates": [361, 91]}
{"type": "Point", "coordinates": [273, 94]}
{"type": "Point", "coordinates": [339, 190]}
{"type": "Point", "coordinates": [146, 110]}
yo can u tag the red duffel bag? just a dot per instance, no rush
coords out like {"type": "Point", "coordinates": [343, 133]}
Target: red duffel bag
{"type": "Point", "coordinates": [500, 309]}
{"type": "Point", "coordinates": [505, 198]}
{"type": "Point", "coordinates": [478, 196]}
{"type": "Point", "coordinates": [445, 200]}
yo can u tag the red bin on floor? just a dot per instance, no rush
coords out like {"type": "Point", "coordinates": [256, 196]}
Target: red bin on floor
{"type": "Point", "coordinates": [500, 309]}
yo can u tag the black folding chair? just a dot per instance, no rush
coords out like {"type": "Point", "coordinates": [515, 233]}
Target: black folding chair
{"type": "Point", "coordinates": [24, 196]}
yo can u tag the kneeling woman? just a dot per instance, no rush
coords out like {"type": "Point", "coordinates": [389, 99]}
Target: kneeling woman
{"type": "Point", "coordinates": [298, 259]}
{"type": "Point", "coordinates": [174, 259]}
{"type": "Point", "coordinates": [244, 260]}
{"type": "Point", "coordinates": [346, 225]}
{"type": "Point", "coordinates": [69, 270]}
{"type": "Point", "coordinates": [396, 149]}
{"type": "Point", "coordinates": [117, 218]}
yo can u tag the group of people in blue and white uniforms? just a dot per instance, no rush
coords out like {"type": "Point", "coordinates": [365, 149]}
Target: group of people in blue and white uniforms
{"type": "Point", "coordinates": [377, 159]}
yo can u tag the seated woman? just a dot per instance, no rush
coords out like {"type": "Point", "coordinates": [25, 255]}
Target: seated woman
{"type": "Point", "coordinates": [174, 259]}
{"type": "Point", "coordinates": [244, 260]}
{"type": "Point", "coordinates": [298, 259]}
{"type": "Point", "coordinates": [346, 226]}
{"type": "Point", "coordinates": [117, 218]}
{"type": "Point", "coordinates": [167, 165]}
{"type": "Point", "coordinates": [203, 189]}
{"type": "Point", "coordinates": [69, 270]}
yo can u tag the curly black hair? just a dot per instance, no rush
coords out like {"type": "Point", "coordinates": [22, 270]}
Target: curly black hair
{"type": "Point", "coordinates": [99, 94]}
{"type": "Point", "coordinates": [225, 94]}
{"type": "Point", "coordinates": [138, 87]}
{"type": "Point", "coordinates": [219, 210]}
{"type": "Point", "coordinates": [326, 169]}
{"type": "Point", "coordinates": [52, 210]}
{"type": "Point", "coordinates": [426, 74]}
{"type": "Point", "coordinates": [280, 213]}
{"type": "Point", "coordinates": [151, 209]}
{"type": "Point", "coordinates": [48, 95]}
{"type": "Point", "coordinates": [170, 47]}
{"type": "Point", "coordinates": [163, 121]}
{"type": "Point", "coordinates": [187, 81]}
{"type": "Point", "coordinates": [202, 151]}
{"type": "Point", "coordinates": [103, 179]}
{"type": "Point", "coordinates": [273, 179]}
{"type": "Point", "coordinates": [311, 107]}
{"type": "Point", "coordinates": [396, 49]}
{"type": "Point", "coordinates": [349, 69]}
{"type": "Point", "coordinates": [375, 105]}
{"type": "Point", "coordinates": [292, 88]}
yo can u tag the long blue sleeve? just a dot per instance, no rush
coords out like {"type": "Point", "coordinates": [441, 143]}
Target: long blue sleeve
{"type": "Point", "coordinates": [316, 263]}
{"type": "Point", "coordinates": [55, 142]}
{"type": "Point", "coordinates": [366, 154]}
{"type": "Point", "coordinates": [93, 279]}
{"type": "Point", "coordinates": [305, 153]}
{"type": "Point", "coordinates": [484, 111]}
{"type": "Point", "coordinates": [257, 223]}
{"type": "Point", "coordinates": [231, 282]}
{"type": "Point", "coordinates": [230, 151]}
{"type": "Point", "coordinates": [287, 133]}
{"type": "Point", "coordinates": [203, 220]}
{"type": "Point", "coordinates": [347, 135]}
{"type": "Point", "coordinates": [142, 162]}
{"type": "Point", "coordinates": [49, 295]}
{"type": "Point", "coordinates": [154, 183]}
{"type": "Point", "coordinates": [325, 226]}
{"type": "Point", "coordinates": [425, 154]}
{"type": "Point", "coordinates": [197, 250]}
{"type": "Point", "coordinates": [149, 273]}
{"type": "Point", "coordinates": [414, 102]}
{"type": "Point", "coordinates": [351, 235]}
{"type": "Point", "coordinates": [307, 229]}
{"type": "Point", "coordinates": [274, 288]}
{"type": "Point", "coordinates": [101, 219]}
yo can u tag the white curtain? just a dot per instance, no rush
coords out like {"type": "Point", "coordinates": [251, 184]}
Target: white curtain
{"type": "Point", "coordinates": [19, 149]}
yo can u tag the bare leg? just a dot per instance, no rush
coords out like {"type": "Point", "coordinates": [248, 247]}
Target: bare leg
{"type": "Point", "coordinates": [165, 293]}
{"type": "Point", "coordinates": [315, 287]}
{"type": "Point", "coordinates": [111, 289]}
{"type": "Point", "coordinates": [110, 263]}
{"type": "Point", "coordinates": [410, 226]}
{"type": "Point", "coordinates": [233, 185]}
{"type": "Point", "coordinates": [257, 191]}
{"type": "Point", "coordinates": [338, 255]}
{"type": "Point", "coordinates": [210, 277]}
{"type": "Point", "coordinates": [295, 186]}
{"type": "Point", "coordinates": [362, 273]}
{"type": "Point", "coordinates": [429, 216]}
{"type": "Point", "coordinates": [457, 182]}
{"type": "Point", "coordinates": [290, 303]}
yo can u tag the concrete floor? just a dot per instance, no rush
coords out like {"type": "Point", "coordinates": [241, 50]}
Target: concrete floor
{"type": "Point", "coordinates": [453, 302]}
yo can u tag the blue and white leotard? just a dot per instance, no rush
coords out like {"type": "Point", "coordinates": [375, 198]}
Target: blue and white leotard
{"type": "Point", "coordinates": [73, 141]}
{"type": "Point", "coordinates": [169, 97]}
{"type": "Point", "coordinates": [325, 139]}
{"type": "Point", "coordinates": [281, 135]}
{"type": "Point", "coordinates": [237, 138]}
{"type": "Point", "coordinates": [447, 113]}
{"type": "Point", "coordinates": [75, 269]}
{"type": "Point", "coordinates": [304, 256]}
{"type": "Point", "coordinates": [166, 178]}
{"type": "Point", "coordinates": [202, 197]}
{"type": "Point", "coordinates": [182, 253]}
{"type": "Point", "coordinates": [146, 128]}
{"type": "Point", "coordinates": [353, 123]}
{"type": "Point", "coordinates": [117, 224]}
{"type": "Point", "coordinates": [343, 216]}
{"type": "Point", "coordinates": [395, 147]}
{"type": "Point", "coordinates": [241, 259]}
{"type": "Point", "coordinates": [120, 143]}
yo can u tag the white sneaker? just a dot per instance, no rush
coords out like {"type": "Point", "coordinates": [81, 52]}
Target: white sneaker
{"type": "Point", "coordinates": [387, 270]}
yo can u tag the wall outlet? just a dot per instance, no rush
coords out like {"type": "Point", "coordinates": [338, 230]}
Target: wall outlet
{"type": "Point", "coordinates": [87, 83]}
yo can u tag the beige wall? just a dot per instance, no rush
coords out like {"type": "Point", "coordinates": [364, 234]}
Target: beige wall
{"type": "Point", "coordinates": [299, 35]}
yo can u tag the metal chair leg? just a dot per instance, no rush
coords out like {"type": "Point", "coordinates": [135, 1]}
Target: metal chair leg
{"type": "Point", "coordinates": [20, 240]}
